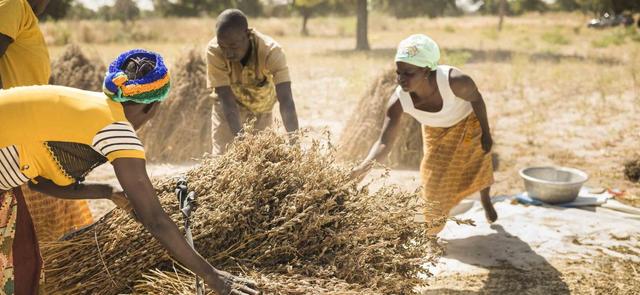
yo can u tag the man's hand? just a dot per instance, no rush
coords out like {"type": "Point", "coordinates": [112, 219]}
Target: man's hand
{"type": "Point", "coordinates": [230, 109]}
{"type": "Point", "coordinates": [487, 142]}
{"type": "Point", "coordinates": [287, 106]}
{"type": "Point", "coordinates": [224, 283]}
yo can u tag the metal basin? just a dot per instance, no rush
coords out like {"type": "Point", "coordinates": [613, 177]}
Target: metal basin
{"type": "Point", "coordinates": [553, 185]}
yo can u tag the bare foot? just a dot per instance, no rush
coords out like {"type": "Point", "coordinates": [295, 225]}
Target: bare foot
{"type": "Point", "coordinates": [489, 212]}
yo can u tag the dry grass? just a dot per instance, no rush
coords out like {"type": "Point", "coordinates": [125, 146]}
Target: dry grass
{"type": "Point", "coordinates": [74, 68]}
{"type": "Point", "coordinates": [549, 102]}
{"type": "Point", "coordinates": [181, 131]}
{"type": "Point", "coordinates": [365, 125]}
{"type": "Point", "coordinates": [556, 92]}
{"type": "Point", "coordinates": [277, 209]}
{"type": "Point", "coordinates": [596, 275]}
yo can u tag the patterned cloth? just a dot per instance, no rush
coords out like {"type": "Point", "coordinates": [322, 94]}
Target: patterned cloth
{"type": "Point", "coordinates": [53, 217]}
{"type": "Point", "coordinates": [454, 166]}
{"type": "Point", "coordinates": [139, 76]}
{"type": "Point", "coordinates": [8, 209]}
{"type": "Point", "coordinates": [20, 261]}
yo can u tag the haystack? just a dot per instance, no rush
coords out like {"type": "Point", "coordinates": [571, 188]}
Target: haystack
{"type": "Point", "coordinates": [75, 69]}
{"type": "Point", "coordinates": [180, 283]}
{"type": "Point", "coordinates": [272, 210]}
{"type": "Point", "coordinates": [181, 130]}
{"type": "Point", "coordinates": [364, 126]}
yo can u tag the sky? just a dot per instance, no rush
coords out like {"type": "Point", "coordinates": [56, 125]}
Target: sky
{"type": "Point", "coordinates": [95, 4]}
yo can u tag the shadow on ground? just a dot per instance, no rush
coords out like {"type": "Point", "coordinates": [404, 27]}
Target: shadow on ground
{"type": "Point", "coordinates": [531, 275]}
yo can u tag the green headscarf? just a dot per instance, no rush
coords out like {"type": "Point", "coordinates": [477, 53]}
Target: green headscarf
{"type": "Point", "coordinates": [419, 50]}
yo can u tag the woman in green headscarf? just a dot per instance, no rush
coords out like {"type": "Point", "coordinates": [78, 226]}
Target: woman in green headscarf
{"type": "Point", "coordinates": [456, 136]}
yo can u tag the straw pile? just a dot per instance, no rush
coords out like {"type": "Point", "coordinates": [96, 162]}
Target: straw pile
{"type": "Point", "coordinates": [181, 130]}
{"type": "Point", "coordinates": [75, 69]}
{"type": "Point", "coordinates": [278, 212]}
{"type": "Point", "coordinates": [364, 126]}
{"type": "Point", "coordinates": [179, 283]}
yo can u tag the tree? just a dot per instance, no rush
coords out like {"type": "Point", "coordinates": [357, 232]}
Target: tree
{"type": "Point", "coordinates": [362, 39]}
{"type": "Point", "coordinates": [79, 11]}
{"type": "Point", "coordinates": [501, 12]}
{"type": "Point", "coordinates": [57, 9]}
{"type": "Point", "coordinates": [306, 9]}
{"type": "Point", "coordinates": [522, 6]}
{"type": "Point", "coordinates": [104, 12]}
{"type": "Point", "coordinates": [184, 8]}
{"type": "Point", "coordinates": [416, 8]}
{"type": "Point", "coordinates": [125, 10]}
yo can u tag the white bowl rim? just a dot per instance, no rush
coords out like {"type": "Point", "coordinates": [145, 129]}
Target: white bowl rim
{"type": "Point", "coordinates": [561, 168]}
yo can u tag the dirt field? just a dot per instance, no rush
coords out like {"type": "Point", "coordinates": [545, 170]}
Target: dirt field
{"type": "Point", "coordinates": [556, 92]}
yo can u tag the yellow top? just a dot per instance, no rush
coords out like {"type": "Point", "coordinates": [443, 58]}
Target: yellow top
{"type": "Point", "coordinates": [26, 61]}
{"type": "Point", "coordinates": [254, 83]}
{"type": "Point", "coordinates": [34, 116]}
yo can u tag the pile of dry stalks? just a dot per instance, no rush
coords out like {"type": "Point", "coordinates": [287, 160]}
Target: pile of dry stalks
{"type": "Point", "coordinates": [179, 283]}
{"type": "Point", "coordinates": [363, 128]}
{"type": "Point", "coordinates": [290, 218]}
{"type": "Point", "coordinates": [181, 130]}
{"type": "Point", "coordinates": [75, 69]}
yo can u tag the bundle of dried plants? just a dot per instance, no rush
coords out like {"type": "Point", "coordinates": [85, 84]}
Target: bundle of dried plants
{"type": "Point", "coordinates": [365, 125]}
{"type": "Point", "coordinates": [276, 209]}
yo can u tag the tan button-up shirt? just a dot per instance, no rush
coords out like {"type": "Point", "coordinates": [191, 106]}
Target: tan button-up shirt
{"type": "Point", "coordinates": [254, 83]}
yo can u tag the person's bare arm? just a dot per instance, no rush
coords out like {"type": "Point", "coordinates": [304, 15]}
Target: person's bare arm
{"type": "Point", "coordinates": [230, 108]}
{"type": "Point", "coordinates": [287, 106]}
{"type": "Point", "coordinates": [85, 190]}
{"type": "Point", "coordinates": [133, 178]}
{"type": "Point", "coordinates": [5, 41]}
{"type": "Point", "coordinates": [75, 191]}
{"type": "Point", "coordinates": [382, 146]}
{"type": "Point", "coordinates": [464, 88]}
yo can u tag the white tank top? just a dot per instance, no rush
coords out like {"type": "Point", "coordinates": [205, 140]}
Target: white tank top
{"type": "Point", "coordinates": [453, 110]}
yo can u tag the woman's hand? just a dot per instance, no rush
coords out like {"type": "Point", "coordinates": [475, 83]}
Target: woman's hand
{"type": "Point", "coordinates": [359, 172]}
{"type": "Point", "coordinates": [122, 202]}
{"type": "Point", "coordinates": [224, 283]}
{"type": "Point", "coordinates": [487, 142]}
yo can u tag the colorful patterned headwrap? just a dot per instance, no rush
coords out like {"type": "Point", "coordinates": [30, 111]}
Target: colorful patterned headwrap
{"type": "Point", "coordinates": [419, 50]}
{"type": "Point", "coordinates": [124, 84]}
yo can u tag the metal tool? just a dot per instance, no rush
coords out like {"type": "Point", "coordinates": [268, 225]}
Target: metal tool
{"type": "Point", "coordinates": [187, 201]}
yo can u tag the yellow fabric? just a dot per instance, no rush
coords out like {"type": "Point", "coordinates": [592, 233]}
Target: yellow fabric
{"type": "Point", "coordinates": [454, 166]}
{"type": "Point", "coordinates": [35, 114]}
{"type": "Point", "coordinates": [53, 217]}
{"type": "Point", "coordinates": [254, 83]}
{"type": "Point", "coordinates": [26, 61]}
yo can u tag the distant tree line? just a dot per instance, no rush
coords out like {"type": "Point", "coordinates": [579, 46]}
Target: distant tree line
{"type": "Point", "coordinates": [127, 10]}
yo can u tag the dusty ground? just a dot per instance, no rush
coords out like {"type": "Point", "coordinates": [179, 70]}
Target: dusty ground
{"type": "Point", "coordinates": [556, 93]}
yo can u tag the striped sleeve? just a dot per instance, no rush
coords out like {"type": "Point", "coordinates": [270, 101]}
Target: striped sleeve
{"type": "Point", "coordinates": [118, 140]}
{"type": "Point", "coordinates": [10, 174]}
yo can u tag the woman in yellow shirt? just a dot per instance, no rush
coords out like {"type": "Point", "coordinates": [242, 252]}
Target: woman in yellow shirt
{"type": "Point", "coordinates": [53, 136]}
{"type": "Point", "coordinates": [24, 61]}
